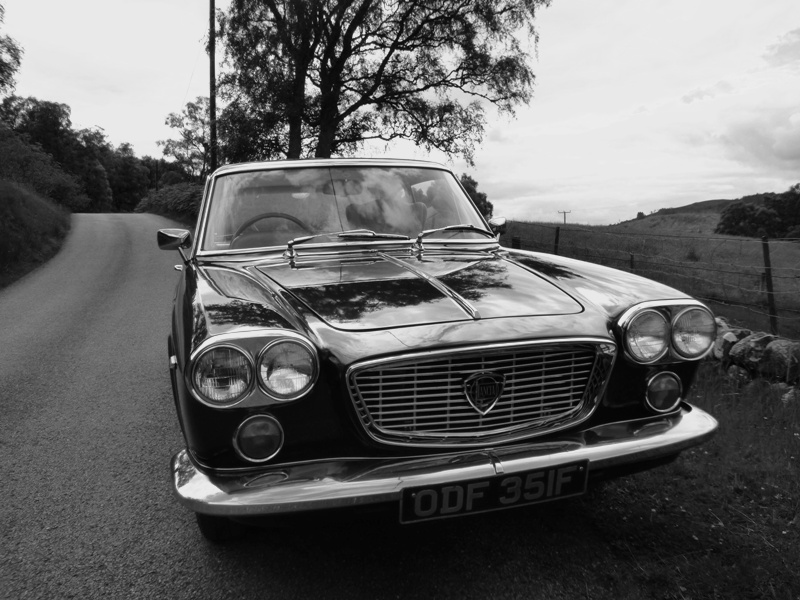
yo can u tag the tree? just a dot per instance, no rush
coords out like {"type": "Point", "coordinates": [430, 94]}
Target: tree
{"type": "Point", "coordinates": [191, 151]}
{"type": "Point", "coordinates": [46, 123]}
{"type": "Point", "coordinates": [162, 173]}
{"type": "Point", "coordinates": [128, 178]}
{"type": "Point", "coordinates": [113, 179]}
{"type": "Point", "coordinates": [10, 59]}
{"type": "Point", "coordinates": [787, 206]}
{"type": "Point", "coordinates": [324, 76]}
{"type": "Point", "coordinates": [479, 198]}
{"type": "Point", "coordinates": [751, 220]}
{"type": "Point", "coordinates": [29, 165]}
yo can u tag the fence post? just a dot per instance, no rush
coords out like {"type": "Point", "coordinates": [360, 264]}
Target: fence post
{"type": "Point", "coordinates": [555, 246]}
{"type": "Point", "coordinates": [633, 266]}
{"type": "Point", "coordinates": [773, 312]}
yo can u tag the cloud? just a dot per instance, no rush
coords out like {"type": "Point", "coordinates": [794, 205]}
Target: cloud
{"type": "Point", "coordinates": [786, 51]}
{"type": "Point", "coordinates": [721, 87]}
{"type": "Point", "coordinates": [770, 140]}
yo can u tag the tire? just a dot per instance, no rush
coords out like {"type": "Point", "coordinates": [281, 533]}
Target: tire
{"type": "Point", "coordinates": [219, 530]}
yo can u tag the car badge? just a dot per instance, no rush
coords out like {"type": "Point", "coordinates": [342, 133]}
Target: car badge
{"type": "Point", "coordinates": [483, 390]}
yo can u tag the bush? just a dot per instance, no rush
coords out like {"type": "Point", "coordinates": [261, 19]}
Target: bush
{"type": "Point", "coordinates": [31, 230]}
{"type": "Point", "coordinates": [180, 201]}
{"type": "Point", "coordinates": [29, 165]}
{"type": "Point", "coordinates": [749, 220]}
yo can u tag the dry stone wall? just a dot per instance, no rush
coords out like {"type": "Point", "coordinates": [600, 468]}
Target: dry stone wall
{"type": "Point", "coordinates": [747, 355]}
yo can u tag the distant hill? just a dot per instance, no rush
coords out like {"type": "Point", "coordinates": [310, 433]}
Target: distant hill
{"type": "Point", "coordinates": [698, 218]}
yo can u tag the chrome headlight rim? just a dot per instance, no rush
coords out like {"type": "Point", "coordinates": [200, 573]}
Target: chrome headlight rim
{"type": "Point", "coordinates": [673, 328]}
{"type": "Point", "coordinates": [312, 351]}
{"type": "Point", "coordinates": [667, 337]}
{"type": "Point", "coordinates": [213, 403]}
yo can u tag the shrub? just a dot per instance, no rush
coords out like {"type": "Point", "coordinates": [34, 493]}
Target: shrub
{"type": "Point", "coordinates": [180, 201]}
{"type": "Point", "coordinates": [31, 230]}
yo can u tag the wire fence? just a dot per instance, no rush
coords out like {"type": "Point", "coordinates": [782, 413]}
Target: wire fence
{"type": "Point", "coordinates": [753, 283]}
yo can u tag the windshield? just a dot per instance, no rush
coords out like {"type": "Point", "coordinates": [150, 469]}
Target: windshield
{"type": "Point", "coordinates": [257, 209]}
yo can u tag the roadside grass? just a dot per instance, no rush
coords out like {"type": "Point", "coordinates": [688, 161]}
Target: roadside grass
{"type": "Point", "coordinates": [32, 229]}
{"type": "Point", "coordinates": [723, 521]}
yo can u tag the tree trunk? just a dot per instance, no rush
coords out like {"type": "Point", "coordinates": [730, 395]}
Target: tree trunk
{"type": "Point", "coordinates": [328, 124]}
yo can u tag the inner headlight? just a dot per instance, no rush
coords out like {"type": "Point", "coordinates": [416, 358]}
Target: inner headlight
{"type": "Point", "coordinates": [647, 336]}
{"type": "Point", "coordinates": [693, 332]}
{"type": "Point", "coordinates": [287, 369]}
{"type": "Point", "coordinates": [222, 375]}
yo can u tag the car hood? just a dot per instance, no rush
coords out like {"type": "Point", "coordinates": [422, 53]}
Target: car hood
{"type": "Point", "coordinates": [387, 291]}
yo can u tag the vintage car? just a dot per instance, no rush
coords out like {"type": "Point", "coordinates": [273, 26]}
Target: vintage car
{"type": "Point", "coordinates": [350, 333]}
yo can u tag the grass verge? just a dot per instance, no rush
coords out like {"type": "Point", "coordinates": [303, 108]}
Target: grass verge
{"type": "Point", "coordinates": [723, 520]}
{"type": "Point", "coordinates": [32, 229]}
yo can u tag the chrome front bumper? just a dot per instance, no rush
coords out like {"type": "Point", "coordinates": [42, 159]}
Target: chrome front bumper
{"type": "Point", "coordinates": [348, 482]}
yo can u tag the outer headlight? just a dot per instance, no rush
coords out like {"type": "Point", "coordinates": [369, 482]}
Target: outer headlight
{"type": "Point", "coordinates": [647, 336]}
{"type": "Point", "coordinates": [693, 332]}
{"type": "Point", "coordinates": [222, 375]}
{"type": "Point", "coordinates": [287, 369]}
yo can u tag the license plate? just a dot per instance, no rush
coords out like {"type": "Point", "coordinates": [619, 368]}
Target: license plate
{"type": "Point", "coordinates": [493, 493]}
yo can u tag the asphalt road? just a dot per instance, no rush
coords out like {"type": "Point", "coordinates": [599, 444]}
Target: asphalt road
{"type": "Point", "coordinates": [87, 428]}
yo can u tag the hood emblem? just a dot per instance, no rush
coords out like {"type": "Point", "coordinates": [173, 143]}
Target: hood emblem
{"type": "Point", "coordinates": [483, 390]}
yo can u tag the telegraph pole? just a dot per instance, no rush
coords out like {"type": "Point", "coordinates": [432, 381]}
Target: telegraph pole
{"type": "Point", "coordinates": [212, 104]}
{"type": "Point", "coordinates": [565, 213]}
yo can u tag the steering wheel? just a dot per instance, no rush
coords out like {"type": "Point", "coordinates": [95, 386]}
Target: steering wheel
{"type": "Point", "coordinates": [269, 215]}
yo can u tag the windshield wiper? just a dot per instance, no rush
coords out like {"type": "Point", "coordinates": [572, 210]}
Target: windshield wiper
{"type": "Point", "coordinates": [461, 227]}
{"type": "Point", "coordinates": [367, 233]}
{"type": "Point", "coordinates": [349, 234]}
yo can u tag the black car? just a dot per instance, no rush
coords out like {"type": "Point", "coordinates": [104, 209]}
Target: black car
{"type": "Point", "coordinates": [350, 332]}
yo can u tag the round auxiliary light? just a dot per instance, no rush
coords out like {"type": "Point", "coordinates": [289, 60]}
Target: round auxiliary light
{"type": "Point", "coordinates": [663, 392]}
{"type": "Point", "coordinates": [287, 369]}
{"type": "Point", "coordinates": [693, 332]}
{"type": "Point", "coordinates": [222, 375]}
{"type": "Point", "coordinates": [647, 336]}
{"type": "Point", "coordinates": [258, 438]}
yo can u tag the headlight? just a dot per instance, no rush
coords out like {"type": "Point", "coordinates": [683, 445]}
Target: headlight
{"type": "Point", "coordinates": [222, 375]}
{"type": "Point", "coordinates": [647, 336]}
{"type": "Point", "coordinates": [287, 369]}
{"type": "Point", "coordinates": [693, 332]}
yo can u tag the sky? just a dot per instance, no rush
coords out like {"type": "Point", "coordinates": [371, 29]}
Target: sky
{"type": "Point", "coordinates": [638, 104]}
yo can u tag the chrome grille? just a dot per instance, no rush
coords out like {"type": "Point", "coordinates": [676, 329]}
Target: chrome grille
{"type": "Point", "coordinates": [420, 399]}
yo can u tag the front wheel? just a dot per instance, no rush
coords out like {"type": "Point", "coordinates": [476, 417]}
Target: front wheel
{"type": "Point", "coordinates": [219, 529]}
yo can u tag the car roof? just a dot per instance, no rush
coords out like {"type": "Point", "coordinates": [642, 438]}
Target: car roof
{"type": "Point", "coordinates": [328, 162]}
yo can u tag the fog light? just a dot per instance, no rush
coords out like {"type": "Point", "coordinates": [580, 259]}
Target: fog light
{"type": "Point", "coordinates": [258, 438]}
{"type": "Point", "coordinates": [663, 392]}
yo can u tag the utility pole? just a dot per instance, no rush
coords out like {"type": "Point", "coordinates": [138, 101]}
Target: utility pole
{"type": "Point", "coordinates": [212, 104]}
{"type": "Point", "coordinates": [565, 213]}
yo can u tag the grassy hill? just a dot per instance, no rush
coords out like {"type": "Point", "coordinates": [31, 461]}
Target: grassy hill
{"type": "Point", "coordinates": [699, 218]}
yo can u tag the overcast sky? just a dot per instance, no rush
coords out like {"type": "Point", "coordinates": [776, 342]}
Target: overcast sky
{"type": "Point", "coordinates": [638, 104]}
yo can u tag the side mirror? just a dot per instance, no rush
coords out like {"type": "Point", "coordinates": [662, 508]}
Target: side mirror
{"type": "Point", "coordinates": [174, 239]}
{"type": "Point", "coordinates": [498, 225]}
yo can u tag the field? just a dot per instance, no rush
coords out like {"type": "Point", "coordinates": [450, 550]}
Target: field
{"type": "Point", "coordinates": [682, 251]}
